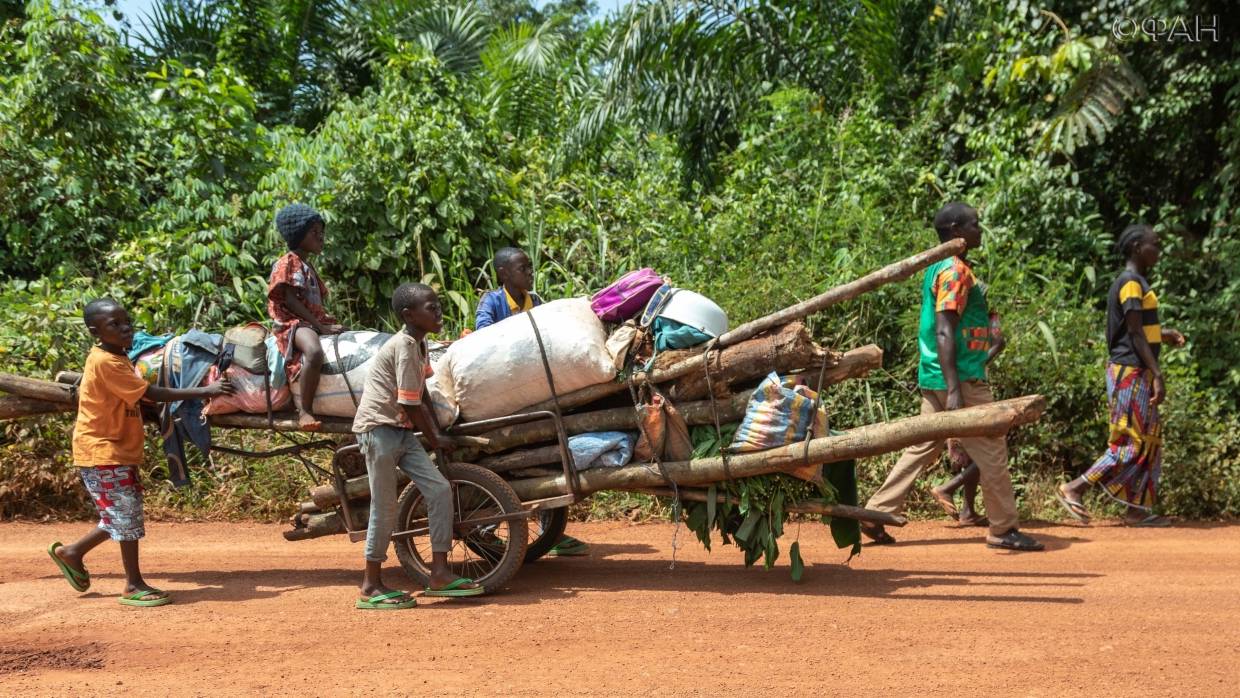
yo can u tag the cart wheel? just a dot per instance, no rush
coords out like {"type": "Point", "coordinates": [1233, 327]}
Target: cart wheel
{"type": "Point", "coordinates": [489, 553]}
{"type": "Point", "coordinates": [546, 529]}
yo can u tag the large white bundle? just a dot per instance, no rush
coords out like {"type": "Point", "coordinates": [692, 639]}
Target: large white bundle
{"type": "Point", "coordinates": [498, 370]}
{"type": "Point", "coordinates": [442, 400]}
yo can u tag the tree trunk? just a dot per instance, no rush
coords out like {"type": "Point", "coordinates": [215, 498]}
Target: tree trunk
{"type": "Point", "coordinates": [282, 421]}
{"type": "Point", "coordinates": [317, 526]}
{"type": "Point", "coordinates": [18, 407]}
{"type": "Point", "coordinates": [852, 364]}
{"type": "Point", "coordinates": [522, 459]}
{"type": "Point", "coordinates": [790, 348]}
{"type": "Point", "coordinates": [994, 419]}
{"type": "Point", "coordinates": [37, 389]}
{"type": "Point", "coordinates": [358, 488]}
{"type": "Point", "coordinates": [614, 419]}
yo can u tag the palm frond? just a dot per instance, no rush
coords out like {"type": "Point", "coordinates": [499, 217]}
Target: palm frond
{"type": "Point", "coordinates": [1093, 104]}
{"type": "Point", "coordinates": [188, 31]}
{"type": "Point", "coordinates": [694, 68]}
{"type": "Point", "coordinates": [521, 86]}
{"type": "Point", "coordinates": [455, 35]}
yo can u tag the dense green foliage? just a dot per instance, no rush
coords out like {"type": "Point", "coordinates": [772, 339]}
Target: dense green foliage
{"type": "Point", "coordinates": [757, 152]}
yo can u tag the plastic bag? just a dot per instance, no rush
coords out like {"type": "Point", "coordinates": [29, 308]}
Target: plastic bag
{"type": "Point", "coordinates": [250, 393]}
{"type": "Point", "coordinates": [778, 414]}
{"type": "Point", "coordinates": [667, 430]}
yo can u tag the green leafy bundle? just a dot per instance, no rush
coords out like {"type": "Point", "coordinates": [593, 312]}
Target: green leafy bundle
{"type": "Point", "coordinates": [753, 511]}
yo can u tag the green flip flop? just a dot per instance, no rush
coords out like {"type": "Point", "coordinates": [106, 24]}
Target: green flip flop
{"type": "Point", "coordinates": [138, 598]}
{"type": "Point", "coordinates": [80, 581]}
{"type": "Point", "coordinates": [569, 547]}
{"type": "Point", "coordinates": [454, 589]}
{"type": "Point", "coordinates": [382, 602]}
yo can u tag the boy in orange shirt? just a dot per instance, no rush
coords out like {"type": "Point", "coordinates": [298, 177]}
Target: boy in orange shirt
{"type": "Point", "coordinates": [107, 449]}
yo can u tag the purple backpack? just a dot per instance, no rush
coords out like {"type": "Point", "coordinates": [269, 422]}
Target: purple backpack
{"type": "Point", "coordinates": [627, 296]}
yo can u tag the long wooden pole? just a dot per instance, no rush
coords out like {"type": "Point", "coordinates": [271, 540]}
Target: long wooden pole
{"type": "Point", "coordinates": [994, 419]}
{"type": "Point", "coordinates": [897, 271]}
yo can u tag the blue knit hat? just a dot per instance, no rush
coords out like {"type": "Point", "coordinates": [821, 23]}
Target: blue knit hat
{"type": "Point", "coordinates": [294, 221]}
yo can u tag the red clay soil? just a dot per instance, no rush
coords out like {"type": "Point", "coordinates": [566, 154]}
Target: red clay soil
{"type": "Point", "coordinates": [1106, 611]}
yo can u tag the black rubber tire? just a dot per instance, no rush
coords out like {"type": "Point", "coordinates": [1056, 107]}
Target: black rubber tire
{"type": "Point", "coordinates": [553, 523]}
{"type": "Point", "coordinates": [476, 482]}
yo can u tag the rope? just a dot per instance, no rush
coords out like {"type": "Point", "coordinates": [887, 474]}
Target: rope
{"type": "Point", "coordinates": [571, 476]}
{"type": "Point", "coordinates": [657, 456]}
{"type": "Point", "coordinates": [813, 415]}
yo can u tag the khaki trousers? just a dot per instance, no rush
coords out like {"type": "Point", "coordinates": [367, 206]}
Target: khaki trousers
{"type": "Point", "coordinates": [990, 454]}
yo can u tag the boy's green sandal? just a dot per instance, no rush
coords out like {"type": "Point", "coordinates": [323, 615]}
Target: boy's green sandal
{"type": "Point", "coordinates": [80, 581]}
{"type": "Point", "coordinates": [454, 589]}
{"type": "Point", "coordinates": [384, 602]}
{"type": "Point", "coordinates": [569, 547]}
{"type": "Point", "coordinates": [139, 598]}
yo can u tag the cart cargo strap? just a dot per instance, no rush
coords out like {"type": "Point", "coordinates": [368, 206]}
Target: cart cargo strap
{"type": "Point", "coordinates": [571, 477]}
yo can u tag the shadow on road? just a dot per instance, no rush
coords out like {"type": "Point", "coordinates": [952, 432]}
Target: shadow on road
{"type": "Point", "coordinates": [610, 568]}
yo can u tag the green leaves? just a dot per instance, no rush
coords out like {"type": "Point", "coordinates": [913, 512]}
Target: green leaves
{"type": "Point", "coordinates": [798, 565]}
{"type": "Point", "coordinates": [757, 521]}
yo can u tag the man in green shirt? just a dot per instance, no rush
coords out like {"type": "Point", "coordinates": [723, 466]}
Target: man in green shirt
{"type": "Point", "coordinates": [954, 341]}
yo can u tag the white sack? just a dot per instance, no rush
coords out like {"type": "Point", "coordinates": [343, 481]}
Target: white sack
{"type": "Point", "coordinates": [497, 371]}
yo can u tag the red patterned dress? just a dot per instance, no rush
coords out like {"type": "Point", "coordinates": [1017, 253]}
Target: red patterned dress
{"type": "Point", "coordinates": [292, 271]}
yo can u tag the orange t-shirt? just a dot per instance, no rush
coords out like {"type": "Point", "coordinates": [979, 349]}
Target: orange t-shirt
{"type": "Point", "coordinates": [108, 430]}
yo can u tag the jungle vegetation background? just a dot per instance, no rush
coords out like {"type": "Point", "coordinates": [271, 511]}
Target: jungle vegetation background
{"type": "Point", "coordinates": [758, 152]}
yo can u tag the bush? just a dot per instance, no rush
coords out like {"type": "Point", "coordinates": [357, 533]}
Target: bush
{"type": "Point", "coordinates": [159, 188]}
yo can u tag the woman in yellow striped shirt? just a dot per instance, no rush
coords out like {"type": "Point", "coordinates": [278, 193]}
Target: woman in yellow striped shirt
{"type": "Point", "coordinates": [1129, 470]}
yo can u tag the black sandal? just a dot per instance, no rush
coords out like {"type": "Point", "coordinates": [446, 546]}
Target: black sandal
{"type": "Point", "coordinates": [1014, 540]}
{"type": "Point", "coordinates": [878, 535]}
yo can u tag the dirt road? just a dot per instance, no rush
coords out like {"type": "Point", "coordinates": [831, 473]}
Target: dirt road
{"type": "Point", "coordinates": [1107, 611]}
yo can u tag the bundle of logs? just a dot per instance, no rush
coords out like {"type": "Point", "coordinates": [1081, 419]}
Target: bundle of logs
{"type": "Point", "coordinates": [708, 387]}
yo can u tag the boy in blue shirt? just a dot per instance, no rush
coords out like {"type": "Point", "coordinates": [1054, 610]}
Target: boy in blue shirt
{"type": "Point", "coordinates": [514, 296]}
